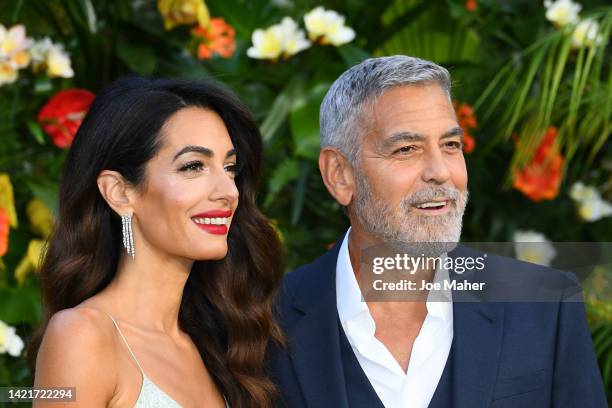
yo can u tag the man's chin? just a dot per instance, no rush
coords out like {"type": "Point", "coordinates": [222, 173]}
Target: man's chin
{"type": "Point", "coordinates": [422, 248]}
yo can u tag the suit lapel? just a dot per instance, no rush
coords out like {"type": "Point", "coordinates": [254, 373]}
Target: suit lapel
{"type": "Point", "coordinates": [315, 344]}
{"type": "Point", "coordinates": [478, 330]}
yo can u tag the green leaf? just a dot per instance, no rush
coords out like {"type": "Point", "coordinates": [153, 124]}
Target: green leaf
{"type": "Point", "coordinates": [304, 122]}
{"type": "Point", "coordinates": [280, 108]}
{"type": "Point", "coordinates": [139, 58]}
{"type": "Point", "coordinates": [36, 131]}
{"type": "Point", "coordinates": [47, 191]}
{"type": "Point", "coordinates": [90, 15]}
{"type": "Point", "coordinates": [352, 54]}
{"type": "Point", "coordinates": [20, 305]}
{"type": "Point", "coordinates": [300, 193]}
{"type": "Point", "coordinates": [285, 172]}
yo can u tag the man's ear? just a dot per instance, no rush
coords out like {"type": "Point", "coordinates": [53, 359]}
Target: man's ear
{"type": "Point", "coordinates": [337, 174]}
{"type": "Point", "coordinates": [116, 191]}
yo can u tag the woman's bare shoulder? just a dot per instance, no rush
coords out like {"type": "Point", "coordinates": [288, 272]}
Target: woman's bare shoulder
{"type": "Point", "coordinates": [78, 350]}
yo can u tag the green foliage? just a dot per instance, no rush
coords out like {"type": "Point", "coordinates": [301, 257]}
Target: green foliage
{"type": "Point", "coordinates": [506, 59]}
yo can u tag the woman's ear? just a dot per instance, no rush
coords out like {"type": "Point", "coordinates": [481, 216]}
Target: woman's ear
{"type": "Point", "coordinates": [337, 174]}
{"type": "Point", "coordinates": [116, 191]}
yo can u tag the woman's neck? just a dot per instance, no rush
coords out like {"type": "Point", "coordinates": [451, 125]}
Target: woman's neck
{"type": "Point", "coordinates": [147, 291]}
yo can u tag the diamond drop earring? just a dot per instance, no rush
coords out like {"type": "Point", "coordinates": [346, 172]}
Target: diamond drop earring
{"type": "Point", "coordinates": [128, 238]}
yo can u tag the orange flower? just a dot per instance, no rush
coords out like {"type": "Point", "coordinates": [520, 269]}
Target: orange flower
{"type": "Point", "coordinates": [467, 121]}
{"type": "Point", "coordinates": [217, 38]}
{"type": "Point", "coordinates": [471, 5]}
{"type": "Point", "coordinates": [4, 232]}
{"type": "Point", "coordinates": [540, 179]}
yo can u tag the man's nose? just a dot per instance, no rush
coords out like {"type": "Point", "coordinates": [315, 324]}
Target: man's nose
{"type": "Point", "coordinates": [436, 169]}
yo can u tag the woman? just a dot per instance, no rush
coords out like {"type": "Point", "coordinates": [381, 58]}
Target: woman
{"type": "Point", "coordinates": [182, 316]}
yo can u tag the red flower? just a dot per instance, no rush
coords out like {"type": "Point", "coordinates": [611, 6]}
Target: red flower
{"type": "Point", "coordinates": [4, 232]}
{"type": "Point", "coordinates": [62, 115]}
{"type": "Point", "coordinates": [471, 5]}
{"type": "Point", "coordinates": [467, 121]}
{"type": "Point", "coordinates": [540, 179]}
{"type": "Point", "coordinates": [217, 38]}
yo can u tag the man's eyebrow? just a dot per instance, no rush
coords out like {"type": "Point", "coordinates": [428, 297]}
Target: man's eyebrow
{"type": "Point", "coordinates": [457, 131]}
{"type": "Point", "coordinates": [402, 137]}
{"type": "Point", "coordinates": [416, 137]}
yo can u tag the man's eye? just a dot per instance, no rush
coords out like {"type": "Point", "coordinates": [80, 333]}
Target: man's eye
{"type": "Point", "coordinates": [192, 166]}
{"type": "Point", "coordinates": [405, 149]}
{"type": "Point", "coordinates": [455, 145]}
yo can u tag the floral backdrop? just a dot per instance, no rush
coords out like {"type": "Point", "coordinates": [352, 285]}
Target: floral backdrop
{"type": "Point", "coordinates": [532, 90]}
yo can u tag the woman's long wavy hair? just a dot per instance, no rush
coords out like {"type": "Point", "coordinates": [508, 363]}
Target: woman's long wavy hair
{"type": "Point", "coordinates": [227, 304]}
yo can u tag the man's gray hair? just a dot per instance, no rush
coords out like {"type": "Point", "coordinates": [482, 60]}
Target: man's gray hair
{"type": "Point", "coordinates": [343, 118]}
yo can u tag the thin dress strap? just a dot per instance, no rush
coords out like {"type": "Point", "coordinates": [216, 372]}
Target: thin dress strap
{"type": "Point", "coordinates": [126, 343]}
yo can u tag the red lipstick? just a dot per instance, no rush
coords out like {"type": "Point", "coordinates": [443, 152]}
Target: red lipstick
{"type": "Point", "coordinates": [205, 221]}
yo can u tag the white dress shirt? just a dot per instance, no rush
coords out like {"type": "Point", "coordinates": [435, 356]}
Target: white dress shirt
{"type": "Point", "coordinates": [394, 387]}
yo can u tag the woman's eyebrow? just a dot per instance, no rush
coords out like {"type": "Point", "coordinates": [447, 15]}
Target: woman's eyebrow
{"type": "Point", "coordinates": [198, 149]}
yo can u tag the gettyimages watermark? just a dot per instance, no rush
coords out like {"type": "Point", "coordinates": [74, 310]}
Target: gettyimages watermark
{"type": "Point", "coordinates": [486, 271]}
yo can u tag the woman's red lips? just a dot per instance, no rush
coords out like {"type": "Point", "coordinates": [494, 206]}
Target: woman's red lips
{"type": "Point", "coordinates": [214, 221]}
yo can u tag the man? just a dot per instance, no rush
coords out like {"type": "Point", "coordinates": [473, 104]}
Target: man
{"type": "Point", "coordinates": [391, 154]}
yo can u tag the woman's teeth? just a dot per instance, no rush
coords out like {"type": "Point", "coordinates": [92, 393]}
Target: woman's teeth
{"type": "Point", "coordinates": [213, 221]}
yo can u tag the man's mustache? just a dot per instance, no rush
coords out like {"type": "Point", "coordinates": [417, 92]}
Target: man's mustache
{"type": "Point", "coordinates": [430, 194]}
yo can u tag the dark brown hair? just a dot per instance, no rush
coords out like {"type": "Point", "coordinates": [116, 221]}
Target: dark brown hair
{"type": "Point", "coordinates": [227, 304]}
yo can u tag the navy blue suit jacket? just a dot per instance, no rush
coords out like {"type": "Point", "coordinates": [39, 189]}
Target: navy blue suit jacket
{"type": "Point", "coordinates": [506, 354]}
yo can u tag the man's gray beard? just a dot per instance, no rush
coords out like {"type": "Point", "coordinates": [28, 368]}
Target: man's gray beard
{"type": "Point", "coordinates": [431, 235]}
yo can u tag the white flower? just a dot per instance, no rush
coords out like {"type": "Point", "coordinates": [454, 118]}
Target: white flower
{"type": "Point", "coordinates": [14, 45]}
{"type": "Point", "coordinates": [13, 52]}
{"type": "Point", "coordinates": [51, 57]}
{"type": "Point", "coordinates": [329, 26]}
{"type": "Point", "coordinates": [10, 342]}
{"type": "Point", "coordinates": [532, 246]}
{"type": "Point", "coordinates": [562, 12]}
{"type": "Point", "coordinates": [294, 39]}
{"type": "Point", "coordinates": [40, 49]}
{"type": "Point", "coordinates": [284, 39]}
{"type": "Point", "coordinates": [8, 73]}
{"type": "Point", "coordinates": [586, 34]}
{"type": "Point", "coordinates": [58, 63]}
{"type": "Point", "coordinates": [591, 207]}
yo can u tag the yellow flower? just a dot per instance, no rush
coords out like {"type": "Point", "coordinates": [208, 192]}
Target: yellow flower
{"type": "Point", "coordinates": [7, 201]}
{"type": "Point", "coordinates": [40, 217]}
{"type": "Point", "coordinates": [30, 262]}
{"type": "Point", "coordinates": [179, 12]}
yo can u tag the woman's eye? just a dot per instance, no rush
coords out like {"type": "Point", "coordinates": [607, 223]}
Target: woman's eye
{"type": "Point", "coordinates": [192, 166]}
{"type": "Point", "coordinates": [234, 169]}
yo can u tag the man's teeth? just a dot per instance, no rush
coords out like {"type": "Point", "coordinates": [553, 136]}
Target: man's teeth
{"type": "Point", "coordinates": [430, 204]}
{"type": "Point", "coordinates": [213, 221]}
